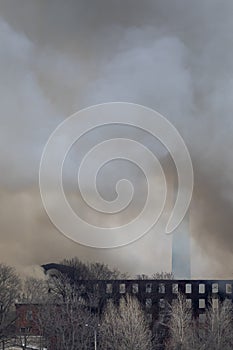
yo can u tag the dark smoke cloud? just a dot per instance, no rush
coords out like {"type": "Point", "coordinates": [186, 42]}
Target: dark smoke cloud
{"type": "Point", "coordinates": [59, 56]}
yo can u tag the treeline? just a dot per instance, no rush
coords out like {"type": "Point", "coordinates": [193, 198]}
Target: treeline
{"type": "Point", "coordinates": [69, 316]}
{"type": "Point", "coordinates": [212, 331]}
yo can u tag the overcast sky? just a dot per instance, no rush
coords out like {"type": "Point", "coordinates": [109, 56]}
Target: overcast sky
{"type": "Point", "coordinates": [58, 56]}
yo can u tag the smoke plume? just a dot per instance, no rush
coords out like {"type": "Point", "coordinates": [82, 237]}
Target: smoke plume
{"type": "Point", "coordinates": [60, 56]}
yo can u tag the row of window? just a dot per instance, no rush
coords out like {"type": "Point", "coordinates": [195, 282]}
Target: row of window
{"type": "Point", "coordinates": [162, 288]}
{"type": "Point", "coordinates": [202, 303]}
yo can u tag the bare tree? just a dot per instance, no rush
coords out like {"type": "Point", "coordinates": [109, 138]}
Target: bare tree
{"type": "Point", "coordinates": [163, 276]}
{"type": "Point", "coordinates": [64, 324]}
{"type": "Point", "coordinates": [76, 270]}
{"type": "Point", "coordinates": [9, 291]}
{"type": "Point", "coordinates": [101, 271]}
{"type": "Point", "coordinates": [142, 276]}
{"type": "Point", "coordinates": [156, 276]}
{"type": "Point", "coordinates": [77, 276]}
{"type": "Point", "coordinates": [180, 324]}
{"type": "Point", "coordinates": [34, 290]}
{"type": "Point", "coordinates": [215, 330]}
{"type": "Point", "coordinates": [59, 286]}
{"type": "Point", "coordinates": [125, 326]}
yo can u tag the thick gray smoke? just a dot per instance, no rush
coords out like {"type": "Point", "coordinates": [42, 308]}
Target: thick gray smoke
{"type": "Point", "coordinates": [60, 56]}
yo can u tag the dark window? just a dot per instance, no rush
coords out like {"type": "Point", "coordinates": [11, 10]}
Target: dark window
{"type": "Point", "coordinates": [161, 288]}
{"type": "Point", "coordinates": [202, 318]}
{"type": "Point", "coordinates": [148, 288]}
{"type": "Point", "coordinates": [215, 288]}
{"type": "Point", "coordinates": [25, 330]}
{"type": "Point", "coordinates": [201, 288]}
{"type": "Point", "coordinates": [109, 288]}
{"type": "Point", "coordinates": [162, 303]}
{"type": "Point", "coordinates": [122, 288]}
{"type": "Point", "coordinates": [175, 288]}
{"type": "Point", "coordinates": [215, 303]}
{"type": "Point", "coordinates": [188, 288]}
{"type": "Point", "coordinates": [135, 288]}
{"type": "Point", "coordinates": [228, 288]}
{"type": "Point", "coordinates": [148, 303]}
{"type": "Point", "coordinates": [201, 303]}
{"type": "Point", "coordinates": [29, 315]}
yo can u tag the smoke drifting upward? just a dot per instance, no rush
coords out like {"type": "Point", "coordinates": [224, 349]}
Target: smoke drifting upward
{"type": "Point", "coordinates": [60, 56]}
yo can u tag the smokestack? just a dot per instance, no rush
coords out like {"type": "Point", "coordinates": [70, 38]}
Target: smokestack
{"type": "Point", "coordinates": [181, 250]}
{"type": "Point", "coordinates": [181, 264]}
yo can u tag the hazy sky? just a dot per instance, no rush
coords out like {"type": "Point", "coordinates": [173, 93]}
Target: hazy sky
{"type": "Point", "coordinates": [58, 56]}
